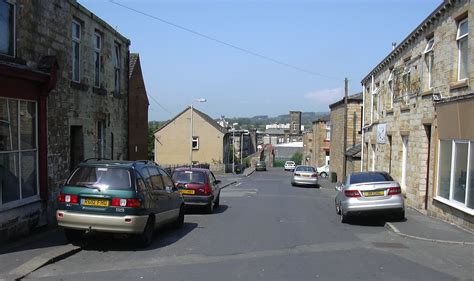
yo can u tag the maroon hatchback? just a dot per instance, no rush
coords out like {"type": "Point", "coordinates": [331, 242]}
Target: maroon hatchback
{"type": "Point", "coordinates": [198, 186]}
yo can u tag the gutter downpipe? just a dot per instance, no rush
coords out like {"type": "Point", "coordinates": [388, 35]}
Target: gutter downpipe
{"type": "Point", "coordinates": [363, 117]}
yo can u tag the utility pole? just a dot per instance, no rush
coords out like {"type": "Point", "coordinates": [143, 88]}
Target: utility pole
{"type": "Point", "coordinates": [346, 93]}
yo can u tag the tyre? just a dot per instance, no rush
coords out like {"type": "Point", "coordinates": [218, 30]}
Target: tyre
{"type": "Point", "coordinates": [210, 208]}
{"type": "Point", "coordinates": [344, 218]}
{"type": "Point", "coordinates": [324, 175]}
{"type": "Point", "coordinates": [146, 237]}
{"type": "Point", "coordinates": [73, 235]}
{"type": "Point", "coordinates": [400, 216]}
{"type": "Point", "coordinates": [218, 200]}
{"type": "Point", "coordinates": [180, 220]}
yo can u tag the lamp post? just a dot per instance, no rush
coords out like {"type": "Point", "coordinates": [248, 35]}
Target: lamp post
{"type": "Point", "coordinates": [233, 147]}
{"type": "Point", "coordinates": [191, 144]}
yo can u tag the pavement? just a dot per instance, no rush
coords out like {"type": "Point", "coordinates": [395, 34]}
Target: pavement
{"type": "Point", "coordinates": [20, 258]}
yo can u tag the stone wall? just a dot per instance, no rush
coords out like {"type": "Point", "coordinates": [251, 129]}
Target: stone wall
{"type": "Point", "coordinates": [321, 145]}
{"type": "Point", "coordinates": [413, 114]}
{"type": "Point", "coordinates": [43, 28]}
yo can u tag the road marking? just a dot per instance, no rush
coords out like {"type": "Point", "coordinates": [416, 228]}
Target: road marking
{"type": "Point", "coordinates": [238, 184]}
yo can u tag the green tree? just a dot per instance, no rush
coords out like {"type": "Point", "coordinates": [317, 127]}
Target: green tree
{"type": "Point", "coordinates": [297, 157]}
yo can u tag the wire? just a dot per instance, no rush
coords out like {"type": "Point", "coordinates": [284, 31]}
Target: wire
{"type": "Point", "coordinates": [162, 107]}
{"type": "Point", "coordinates": [225, 43]}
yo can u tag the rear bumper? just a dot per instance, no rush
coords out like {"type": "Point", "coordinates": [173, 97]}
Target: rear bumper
{"type": "Point", "coordinates": [392, 205]}
{"type": "Point", "coordinates": [260, 169]}
{"type": "Point", "coordinates": [113, 224]}
{"type": "Point", "coordinates": [197, 200]}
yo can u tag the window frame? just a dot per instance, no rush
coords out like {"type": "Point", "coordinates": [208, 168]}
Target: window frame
{"type": "Point", "coordinates": [459, 40]}
{"type": "Point", "coordinates": [406, 84]}
{"type": "Point", "coordinates": [451, 201]}
{"type": "Point", "coordinates": [13, 53]}
{"type": "Point", "coordinates": [195, 139]}
{"type": "Point", "coordinates": [390, 87]}
{"type": "Point", "coordinates": [117, 67]}
{"type": "Point", "coordinates": [97, 58]}
{"type": "Point", "coordinates": [74, 41]}
{"type": "Point", "coordinates": [429, 60]}
{"type": "Point", "coordinates": [19, 151]}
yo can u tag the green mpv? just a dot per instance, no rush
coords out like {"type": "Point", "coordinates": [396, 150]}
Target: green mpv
{"type": "Point", "coordinates": [123, 197]}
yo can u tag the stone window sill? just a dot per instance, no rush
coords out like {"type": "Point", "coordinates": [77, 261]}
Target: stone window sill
{"type": "Point", "coordinates": [20, 203]}
{"type": "Point", "coordinates": [99, 91]}
{"type": "Point", "coordinates": [79, 86]}
{"type": "Point", "coordinates": [454, 205]}
{"type": "Point", "coordinates": [404, 108]}
{"type": "Point", "coordinates": [459, 85]}
{"type": "Point", "coordinates": [427, 93]}
{"type": "Point", "coordinates": [389, 111]}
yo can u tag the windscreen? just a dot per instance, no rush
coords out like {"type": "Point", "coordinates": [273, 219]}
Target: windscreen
{"type": "Point", "coordinates": [369, 177]}
{"type": "Point", "coordinates": [189, 177]}
{"type": "Point", "coordinates": [305, 169]}
{"type": "Point", "coordinates": [102, 178]}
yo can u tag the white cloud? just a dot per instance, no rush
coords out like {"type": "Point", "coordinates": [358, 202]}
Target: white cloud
{"type": "Point", "coordinates": [325, 97]}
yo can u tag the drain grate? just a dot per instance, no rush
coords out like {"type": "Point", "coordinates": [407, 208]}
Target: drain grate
{"type": "Point", "coordinates": [389, 245]}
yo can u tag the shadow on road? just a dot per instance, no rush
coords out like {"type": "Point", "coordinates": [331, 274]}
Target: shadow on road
{"type": "Point", "coordinates": [376, 221]}
{"type": "Point", "coordinates": [194, 210]}
{"type": "Point", "coordinates": [40, 238]}
{"type": "Point", "coordinates": [163, 237]}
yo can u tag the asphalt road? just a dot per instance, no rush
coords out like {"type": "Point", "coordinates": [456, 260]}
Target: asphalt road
{"type": "Point", "coordinates": [265, 229]}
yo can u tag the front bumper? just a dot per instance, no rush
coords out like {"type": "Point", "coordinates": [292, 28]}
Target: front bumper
{"type": "Point", "coordinates": [197, 200]}
{"type": "Point", "coordinates": [304, 181]}
{"type": "Point", "coordinates": [102, 223]}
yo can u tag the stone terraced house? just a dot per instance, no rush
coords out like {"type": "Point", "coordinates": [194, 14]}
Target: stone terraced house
{"type": "Point", "coordinates": [63, 99]}
{"type": "Point", "coordinates": [419, 114]}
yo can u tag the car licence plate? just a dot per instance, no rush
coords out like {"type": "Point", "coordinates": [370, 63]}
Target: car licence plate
{"type": "Point", "coordinates": [95, 202]}
{"type": "Point", "coordinates": [373, 193]}
{"type": "Point", "coordinates": [187, 191]}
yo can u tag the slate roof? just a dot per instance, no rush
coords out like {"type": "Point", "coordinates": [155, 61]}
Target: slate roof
{"type": "Point", "coordinates": [203, 116]}
{"type": "Point", "coordinates": [354, 151]}
{"type": "Point", "coordinates": [133, 61]}
{"type": "Point", "coordinates": [352, 98]}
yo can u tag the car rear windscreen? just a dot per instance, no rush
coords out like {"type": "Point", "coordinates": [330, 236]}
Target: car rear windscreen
{"type": "Point", "coordinates": [369, 177]}
{"type": "Point", "coordinates": [189, 177]}
{"type": "Point", "coordinates": [102, 178]}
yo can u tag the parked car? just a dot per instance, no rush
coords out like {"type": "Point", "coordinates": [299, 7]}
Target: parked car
{"type": "Point", "coordinates": [367, 193]}
{"type": "Point", "coordinates": [261, 166]}
{"type": "Point", "coordinates": [126, 197]}
{"type": "Point", "coordinates": [199, 187]}
{"type": "Point", "coordinates": [304, 175]}
{"type": "Point", "coordinates": [323, 171]}
{"type": "Point", "coordinates": [289, 165]}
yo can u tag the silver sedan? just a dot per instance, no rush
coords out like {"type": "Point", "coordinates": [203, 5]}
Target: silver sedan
{"type": "Point", "coordinates": [368, 193]}
{"type": "Point", "coordinates": [304, 175]}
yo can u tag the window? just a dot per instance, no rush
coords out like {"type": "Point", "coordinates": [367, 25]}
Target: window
{"type": "Point", "coordinates": [7, 28]}
{"type": "Point", "coordinates": [76, 50]}
{"type": "Point", "coordinates": [155, 179]}
{"type": "Point", "coordinates": [18, 151]}
{"type": "Point", "coordinates": [116, 62]}
{"type": "Point", "coordinates": [461, 39]}
{"type": "Point", "coordinates": [390, 88]}
{"type": "Point", "coordinates": [97, 59]}
{"type": "Point", "coordinates": [375, 101]}
{"type": "Point", "coordinates": [456, 173]}
{"type": "Point", "coordinates": [429, 62]}
{"type": "Point", "coordinates": [406, 82]}
{"type": "Point", "coordinates": [369, 177]}
{"type": "Point", "coordinates": [102, 177]}
{"type": "Point", "coordinates": [101, 139]}
{"type": "Point", "coordinates": [166, 179]}
{"type": "Point", "coordinates": [328, 131]}
{"type": "Point", "coordinates": [404, 162]}
{"type": "Point", "coordinates": [195, 143]}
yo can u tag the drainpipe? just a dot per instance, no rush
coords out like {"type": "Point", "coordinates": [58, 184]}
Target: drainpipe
{"type": "Point", "coordinates": [363, 114]}
{"type": "Point", "coordinates": [363, 122]}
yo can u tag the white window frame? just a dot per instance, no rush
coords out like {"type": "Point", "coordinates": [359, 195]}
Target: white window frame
{"type": "Point", "coordinates": [76, 40]}
{"type": "Point", "coordinates": [195, 139]}
{"type": "Point", "coordinates": [376, 101]}
{"type": "Point", "coordinates": [117, 67]}
{"type": "Point", "coordinates": [451, 202]}
{"type": "Point", "coordinates": [328, 132]}
{"type": "Point", "coordinates": [459, 40]}
{"type": "Point", "coordinates": [28, 200]}
{"type": "Point", "coordinates": [429, 57]}
{"type": "Point", "coordinates": [13, 54]}
{"type": "Point", "coordinates": [406, 90]}
{"type": "Point", "coordinates": [97, 56]}
{"type": "Point", "coordinates": [390, 87]}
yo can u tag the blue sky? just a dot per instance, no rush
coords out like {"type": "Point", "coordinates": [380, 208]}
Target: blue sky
{"type": "Point", "coordinates": [338, 38]}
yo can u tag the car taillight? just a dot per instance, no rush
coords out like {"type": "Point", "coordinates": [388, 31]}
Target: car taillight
{"type": "Point", "coordinates": [394, 190]}
{"type": "Point", "coordinates": [121, 202]}
{"type": "Point", "coordinates": [68, 198]}
{"type": "Point", "coordinates": [352, 193]}
{"type": "Point", "coordinates": [207, 190]}
{"type": "Point", "coordinates": [314, 175]}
